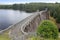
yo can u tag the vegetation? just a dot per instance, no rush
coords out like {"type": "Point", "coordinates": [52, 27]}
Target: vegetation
{"type": "Point", "coordinates": [47, 29]}
{"type": "Point", "coordinates": [4, 36]}
{"type": "Point", "coordinates": [35, 38]}
{"type": "Point", "coordinates": [39, 38]}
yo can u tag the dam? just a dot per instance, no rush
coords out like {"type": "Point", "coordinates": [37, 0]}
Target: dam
{"type": "Point", "coordinates": [27, 27]}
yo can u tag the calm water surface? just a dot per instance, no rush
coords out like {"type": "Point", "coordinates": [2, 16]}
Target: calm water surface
{"type": "Point", "coordinates": [9, 17]}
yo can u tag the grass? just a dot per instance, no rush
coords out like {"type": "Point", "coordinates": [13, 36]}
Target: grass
{"type": "Point", "coordinates": [39, 38]}
{"type": "Point", "coordinates": [52, 19]}
{"type": "Point", "coordinates": [4, 36]}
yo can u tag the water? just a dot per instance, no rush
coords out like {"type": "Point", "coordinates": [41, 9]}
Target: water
{"type": "Point", "coordinates": [9, 17]}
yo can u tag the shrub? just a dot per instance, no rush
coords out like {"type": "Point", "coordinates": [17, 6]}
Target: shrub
{"type": "Point", "coordinates": [47, 29]}
{"type": "Point", "coordinates": [52, 19]}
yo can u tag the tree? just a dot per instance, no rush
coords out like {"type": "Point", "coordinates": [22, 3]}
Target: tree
{"type": "Point", "coordinates": [47, 29]}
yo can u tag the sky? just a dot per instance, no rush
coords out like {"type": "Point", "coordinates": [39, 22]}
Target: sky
{"type": "Point", "coordinates": [26, 1]}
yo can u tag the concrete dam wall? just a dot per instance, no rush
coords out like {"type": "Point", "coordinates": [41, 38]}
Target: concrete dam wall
{"type": "Point", "coordinates": [35, 21]}
{"type": "Point", "coordinates": [28, 25]}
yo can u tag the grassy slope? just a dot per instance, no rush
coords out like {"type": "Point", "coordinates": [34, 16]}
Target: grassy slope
{"type": "Point", "coordinates": [4, 36]}
{"type": "Point", "coordinates": [39, 38]}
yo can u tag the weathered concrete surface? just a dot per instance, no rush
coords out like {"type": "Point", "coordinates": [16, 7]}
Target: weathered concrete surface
{"type": "Point", "coordinates": [33, 24]}
{"type": "Point", "coordinates": [23, 29]}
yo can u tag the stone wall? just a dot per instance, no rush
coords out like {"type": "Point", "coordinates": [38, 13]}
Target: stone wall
{"type": "Point", "coordinates": [33, 24]}
{"type": "Point", "coordinates": [35, 21]}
